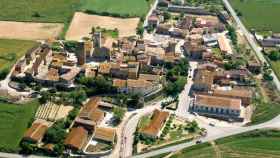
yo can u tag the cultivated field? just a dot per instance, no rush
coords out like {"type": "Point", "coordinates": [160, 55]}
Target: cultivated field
{"type": "Point", "coordinates": [125, 8]}
{"type": "Point", "coordinates": [261, 15]}
{"type": "Point", "coordinates": [11, 51]}
{"type": "Point", "coordinates": [82, 23]}
{"type": "Point", "coordinates": [60, 11]}
{"type": "Point", "coordinates": [29, 31]}
{"type": "Point", "coordinates": [255, 144]}
{"type": "Point", "coordinates": [14, 120]}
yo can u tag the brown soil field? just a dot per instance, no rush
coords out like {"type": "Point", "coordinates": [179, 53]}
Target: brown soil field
{"type": "Point", "coordinates": [82, 23]}
{"type": "Point", "coordinates": [29, 30]}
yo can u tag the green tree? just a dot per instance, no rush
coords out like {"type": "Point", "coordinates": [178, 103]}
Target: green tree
{"type": "Point", "coordinates": [56, 133]}
{"type": "Point", "coordinates": [118, 114]}
{"type": "Point", "coordinates": [166, 15]}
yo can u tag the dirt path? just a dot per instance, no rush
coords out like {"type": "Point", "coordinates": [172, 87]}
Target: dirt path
{"type": "Point", "coordinates": [216, 149]}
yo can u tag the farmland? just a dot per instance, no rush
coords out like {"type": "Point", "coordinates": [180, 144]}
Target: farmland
{"type": "Point", "coordinates": [82, 23]}
{"type": "Point", "coordinates": [124, 8]}
{"type": "Point", "coordinates": [10, 52]}
{"type": "Point", "coordinates": [14, 120]}
{"type": "Point", "coordinates": [255, 144]}
{"type": "Point", "coordinates": [60, 11]}
{"type": "Point", "coordinates": [259, 14]}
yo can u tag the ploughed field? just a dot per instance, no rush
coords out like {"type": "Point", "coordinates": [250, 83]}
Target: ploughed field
{"type": "Point", "coordinates": [261, 15]}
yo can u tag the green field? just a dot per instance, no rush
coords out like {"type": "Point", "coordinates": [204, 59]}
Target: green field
{"type": "Point", "coordinates": [14, 120]}
{"type": "Point", "coordinates": [124, 8]}
{"type": "Point", "coordinates": [259, 14]}
{"type": "Point", "coordinates": [255, 144]}
{"type": "Point", "coordinates": [10, 52]}
{"type": "Point", "coordinates": [275, 65]}
{"type": "Point", "coordinates": [62, 11]}
{"type": "Point", "coordinates": [38, 10]}
{"type": "Point", "coordinates": [265, 112]}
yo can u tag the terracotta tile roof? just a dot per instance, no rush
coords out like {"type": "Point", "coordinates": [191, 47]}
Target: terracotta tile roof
{"type": "Point", "coordinates": [106, 134]}
{"type": "Point", "coordinates": [138, 83]}
{"type": "Point", "coordinates": [36, 132]}
{"type": "Point", "coordinates": [90, 107]}
{"type": "Point", "coordinates": [241, 93]}
{"type": "Point", "coordinates": [71, 74]}
{"type": "Point", "coordinates": [52, 75]}
{"type": "Point", "coordinates": [204, 77]}
{"type": "Point", "coordinates": [149, 77]}
{"type": "Point", "coordinates": [104, 68]}
{"type": "Point", "coordinates": [119, 83]}
{"type": "Point", "coordinates": [97, 115]}
{"type": "Point", "coordinates": [76, 138]}
{"type": "Point", "coordinates": [157, 122]}
{"type": "Point", "coordinates": [220, 102]}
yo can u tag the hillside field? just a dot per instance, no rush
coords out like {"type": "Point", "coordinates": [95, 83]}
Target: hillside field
{"type": "Point", "coordinates": [255, 144]}
{"type": "Point", "coordinates": [261, 15]}
{"type": "Point", "coordinates": [14, 120]}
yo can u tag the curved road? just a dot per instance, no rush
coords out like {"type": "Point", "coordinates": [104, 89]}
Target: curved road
{"type": "Point", "coordinates": [274, 123]}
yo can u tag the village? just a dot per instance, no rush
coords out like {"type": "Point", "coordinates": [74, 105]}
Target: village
{"type": "Point", "coordinates": [183, 75]}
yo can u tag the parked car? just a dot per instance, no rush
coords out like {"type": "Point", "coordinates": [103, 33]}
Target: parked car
{"type": "Point", "coordinates": [198, 142]}
{"type": "Point", "coordinates": [212, 124]}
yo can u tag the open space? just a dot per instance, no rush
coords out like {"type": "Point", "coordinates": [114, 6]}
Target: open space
{"type": "Point", "coordinates": [14, 120]}
{"type": "Point", "coordinates": [58, 11]}
{"type": "Point", "coordinates": [82, 23]}
{"type": "Point", "coordinates": [124, 8]}
{"type": "Point", "coordinates": [29, 31]}
{"type": "Point", "coordinates": [275, 65]}
{"type": "Point", "coordinates": [11, 51]}
{"type": "Point", "coordinates": [255, 144]}
{"type": "Point", "coordinates": [265, 112]}
{"type": "Point", "coordinates": [259, 14]}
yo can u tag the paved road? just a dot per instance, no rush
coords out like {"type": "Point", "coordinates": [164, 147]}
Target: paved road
{"type": "Point", "coordinates": [130, 128]}
{"type": "Point", "coordinates": [251, 40]}
{"type": "Point", "coordinates": [184, 98]}
{"type": "Point", "coordinates": [274, 123]}
{"type": "Point", "coordinates": [145, 24]}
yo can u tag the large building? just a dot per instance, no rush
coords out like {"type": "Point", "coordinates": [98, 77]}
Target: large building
{"type": "Point", "coordinates": [219, 107]}
{"type": "Point", "coordinates": [76, 139]}
{"type": "Point", "coordinates": [35, 133]}
{"type": "Point", "coordinates": [90, 115]}
{"type": "Point", "coordinates": [203, 80]}
{"type": "Point", "coordinates": [154, 128]}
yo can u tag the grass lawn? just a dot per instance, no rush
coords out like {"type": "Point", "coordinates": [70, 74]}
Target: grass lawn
{"type": "Point", "coordinates": [275, 65]}
{"type": "Point", "coordinates": [38, 10]}
{"type": "Point", "coordinates": [255, 144]}
{"type": "Point", "coordinates": [145, 121]}
{"type": "Point", "coordinates": [11, 51]}
{"type": "Point", "coordinates": [265, 112]}
{"type": "Point", "coordinates": [14, 120]}
{"type": "Point", "coordinates": [131, 8]}
{"type": "Point", "coordinates": [259, 14]}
